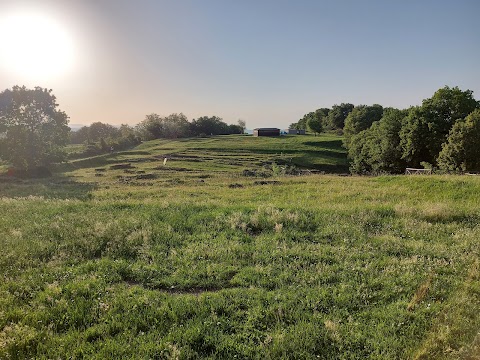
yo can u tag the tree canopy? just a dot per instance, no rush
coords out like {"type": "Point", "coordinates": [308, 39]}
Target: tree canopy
{"type": "Point", "coordinates": [426, 127]}
{"type": "Point", "coordinates": [444, 131]}
{"type": "Point", "coordinates": [361, 118]}
{"type": "Point", "coordinates": [206, 125]}
{"type": "Point", "coordinates": [34, 130]}
{"type": "Point", "coordinates": [177, 126]}
{"type": "Point", "coordinates": [461, 151]}
{"type": "Point", "coordinates": [317, 118]}
{"type": "Point", "coordinates": [315, 123]}
{"type": "Point", "coordinates": [439, 132]}
{"type": "Point", "coordinates": [100, 138]}
{"type": "Point", "coordinates": [94, 133]}
{"type": "Point", "coordinates": [377, 149]}
{"type": "Point", "coordinates": [338, 114]}
{"type": "Point", "coordinates": [172, 126]}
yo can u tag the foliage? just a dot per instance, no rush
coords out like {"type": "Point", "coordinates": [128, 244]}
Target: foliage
{"type": "Point", "coordinates": [426, 165]}
{"type": "Point", "coordinates": [128, 138]}
{"type": "Point", "coordinates": [206, 125]}
{"type": "Point", "coordinates": [318, 116]}
{"type": "Point", "coordinates": [315, 124]}
{"type": "Point", "coordinates": [34, 130]}
{"type": "Point", "coordinates": [461, 151]}
{"type": "Point", "coordinates": [150, 128]}
{"type": "Point", "coordinates": [177, 126]}
{"type": "Point", "coordinates": [100, 138]}
{"type": "Point", "coordinates": [322, 114]}
{"type": "Point", "coordinates": [331, 119]}
{"type": "Point", "coordinates": [235, 129]}
{"type": "Point", "coordinates": [95, 132]}
{"type": "Point", "coordinates": [377, 149]}
{"type": "Point", "coordinates": [338, 114]}
{"type": "Point", "coordinates": [242, 124]}
{"type": "Point", "coordinates": [172, 126]}
{"type": "Point", "coordinates": [426, 127]}
{"type": "Point", "coordinates": [359, 119]}
{"type": "Point", "coordinates": [414, 137]}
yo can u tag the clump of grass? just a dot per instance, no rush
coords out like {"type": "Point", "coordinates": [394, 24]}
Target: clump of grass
{"type": "Point", "coordinates": [454, 334]}
{"type": "Point", "coordinates": [332, 328]}
{"type": "Point", "coordinates": [19, 339]}
{"type": "Point", "coordinates": [435, 212]}
{"type": "Point", "coordinates": [264, 218]}
{"type": "Point", "coordinates": [420, 293]}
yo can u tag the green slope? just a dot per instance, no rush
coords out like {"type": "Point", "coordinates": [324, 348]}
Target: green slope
{"type": "Point", "coordinates": [198, 261]}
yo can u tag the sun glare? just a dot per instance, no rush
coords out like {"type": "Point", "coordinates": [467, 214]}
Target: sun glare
{"type": "Point", "coordinates": [34, 46]}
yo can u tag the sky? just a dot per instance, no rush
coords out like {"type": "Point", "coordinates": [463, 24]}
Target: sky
{"type": "Point", "coordinates": [267, 62]}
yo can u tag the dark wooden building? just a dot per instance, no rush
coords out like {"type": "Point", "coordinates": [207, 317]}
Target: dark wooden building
{"type": "Point", "coordinates": [266, 132]}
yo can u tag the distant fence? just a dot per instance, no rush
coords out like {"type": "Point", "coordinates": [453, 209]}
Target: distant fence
{"type": "Point", "coordinates": [413, 171]}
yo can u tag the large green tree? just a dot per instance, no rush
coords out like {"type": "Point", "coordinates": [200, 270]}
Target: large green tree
{"type": "Point", "coordinates": [359, 119]}
{"type": "Point", "coordinates": [322, 114]}
{"type": "Point", "coordinates": [338, 114]}
{"type": "Point", "coordinates": [176, 126]}
{"type": "Point", "coordinates": [377, 149]}
{"type": "Point", "coordinates": [208, 125]}
{"type": "Point", "coordinates": [172, 126]}
{"type": "Point", "coordinates": [317, 115]}
{"type": "Point", "coordinates": [410, 137]}
{"type": "Point", "coordinates": [426, 127]}
{"type": "Point", "coordinates": [34, 131]}
{"type": "Point", "coordinates": [99, 130]}
{"type": "Point", "coordinates": [461, 152]}
{"type": "Point", "coordinates": [151, 128]}
{"type": "Point", "coordinates": [315, 123]}
{"type": "Point", "coordinates": [316, 119]}
{"type": "Point", "coordinates": [94, 133]}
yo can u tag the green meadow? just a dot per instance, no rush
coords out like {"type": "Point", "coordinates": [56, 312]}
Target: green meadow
{"type": "Point", "coordinates": [238, 248]}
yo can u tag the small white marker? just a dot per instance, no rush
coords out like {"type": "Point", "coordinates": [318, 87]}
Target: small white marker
{"type": "Point", "coordinates": [165, 161]}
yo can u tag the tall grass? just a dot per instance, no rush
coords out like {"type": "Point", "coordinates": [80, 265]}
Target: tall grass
{"type": "Point", "coordinates": [307, 267]}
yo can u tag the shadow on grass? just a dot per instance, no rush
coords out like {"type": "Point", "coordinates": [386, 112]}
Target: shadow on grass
{"type": "Point", "coordinates": [199, 139]}
{"type": "Point", "coordinates": [55, 187]}
{"type": "Point", "coordinates": [97, 161]}
{"type": "Point", "coordinates": [329, 154]}
{"type": "Point", "coordinates": [333, 144]}
{"type": "Point", "coordinates": [341, 153]}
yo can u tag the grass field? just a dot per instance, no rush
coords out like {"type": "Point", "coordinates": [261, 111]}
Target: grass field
{"type": "Point", "coordinates": [120, 256]}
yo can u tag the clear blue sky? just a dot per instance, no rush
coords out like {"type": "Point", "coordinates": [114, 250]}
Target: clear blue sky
{"type": "Point", "coordinates": [267, 62]}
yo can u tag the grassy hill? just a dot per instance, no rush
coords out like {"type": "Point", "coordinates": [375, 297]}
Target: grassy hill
{"type": "Point", "coordinates": [121, 256]}
{"type": "Point", "coordinates": [230, 154]}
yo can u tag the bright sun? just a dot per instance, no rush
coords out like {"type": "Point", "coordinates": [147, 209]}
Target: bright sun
{"type": "Point", "coordinates": [34, 46]}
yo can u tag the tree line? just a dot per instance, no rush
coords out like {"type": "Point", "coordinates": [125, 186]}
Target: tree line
{"type": "Point", "coordinates": [442, 133]}
{"type": "Point", "coordinates": [324, 119]}
{"type": "Point", "coordinates": [34, 132]}
{"type": "Point", "coordinates": [177, 126]}
{"type": "Point", "coordinates": [100, 137]}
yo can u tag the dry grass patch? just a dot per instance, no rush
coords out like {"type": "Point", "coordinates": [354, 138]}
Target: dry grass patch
{"type": "Point", "coordinates": [458, 322]}
{"type": "Point", "coordinates": [420, 294]}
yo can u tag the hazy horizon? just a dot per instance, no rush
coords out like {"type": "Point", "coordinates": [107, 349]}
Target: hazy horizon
{"type": "Point", "coordinates": [267, 62]}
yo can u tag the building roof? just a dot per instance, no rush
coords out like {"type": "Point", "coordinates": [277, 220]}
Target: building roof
{"type": "Point", "coordinates": [267, 129]}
